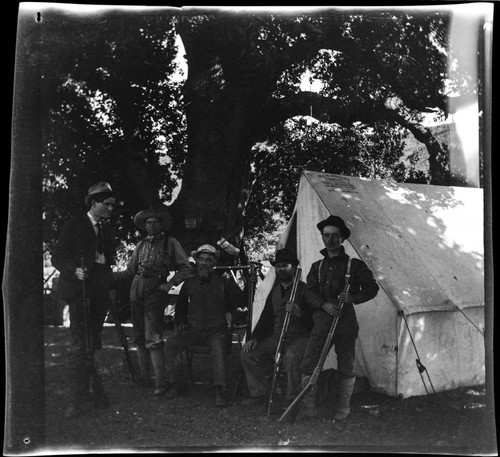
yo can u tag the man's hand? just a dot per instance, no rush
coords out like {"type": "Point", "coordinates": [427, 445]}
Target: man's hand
{"type": "Point", "coordinates": [81, 273]}
{"type": "Point", "coordinates": [181, 327]}
{"type": "Point", "coordinates": [332, 308]}
{"type": "Point", "coordinates": [291, 307]}
{"type": "Point", "coordinates": [250, 345]}
{"type": "Point", "coordinates": [166, 286]}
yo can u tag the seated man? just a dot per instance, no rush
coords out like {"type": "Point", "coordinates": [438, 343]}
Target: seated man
{"type": "Point", "coordinates": [262, 346]}
{"type": "Point", "coordinates": [200, 318]}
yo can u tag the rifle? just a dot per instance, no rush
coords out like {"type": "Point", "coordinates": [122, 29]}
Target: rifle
{"type": "Point", "coordinates": [281, 342]}
{"type": "Point", "coordinates": [292, 410]}
{"type": "Point", "coordinates": [253, 268]}
{"type": "Point", "coordinates": [122, 337]}
{"type": "Point", "coordinates": [100, 398]}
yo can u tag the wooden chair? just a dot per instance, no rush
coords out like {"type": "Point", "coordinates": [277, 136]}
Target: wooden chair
{"type": "Point", "coordinates": [233, 335]}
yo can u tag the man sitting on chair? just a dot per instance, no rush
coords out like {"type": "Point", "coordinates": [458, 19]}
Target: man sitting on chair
{"type": "Point", "coordinates": [262, 346]}
{"type": "Point", "coordinates": [201, 319]}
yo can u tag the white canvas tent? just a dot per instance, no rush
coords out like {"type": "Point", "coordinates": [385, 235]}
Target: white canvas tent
{"type": "Point", "coordinates": [424, 245]}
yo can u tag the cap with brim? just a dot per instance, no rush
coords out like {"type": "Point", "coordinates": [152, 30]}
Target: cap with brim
{"type": "Point", "coordinates": [285, 256]}
{"type": "Point", "coordinates": [204, 249]}
{"type": "Point", "coordinates": [96, 189]}
{"type": "Point", "coordinates": [335, 221]}
{"type": "Point", "coordinates": [158, 213]}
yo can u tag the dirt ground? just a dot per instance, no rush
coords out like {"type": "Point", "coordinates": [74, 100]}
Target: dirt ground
{"type": "Point", "coordinates": [455, 422]}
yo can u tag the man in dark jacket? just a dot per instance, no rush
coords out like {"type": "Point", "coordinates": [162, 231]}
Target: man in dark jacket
{"type": "Point", "coordinates": [260, 349]}
{"type": "Point", "coordinates": [324, 293]}
{"type": "Point", "coordinates": [201, 318]}
{"type": "Point", "coordinates": [83, 255]}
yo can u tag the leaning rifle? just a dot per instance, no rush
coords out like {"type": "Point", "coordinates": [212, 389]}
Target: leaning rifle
{"type": "Point", "coordinates": [292, 410]}
{"type": "Point", "coordinates": [281, 342]}
{"type": "Point", "coordinates": [98, 390]}
{"type": "Point", "coordinates": [122, 337]}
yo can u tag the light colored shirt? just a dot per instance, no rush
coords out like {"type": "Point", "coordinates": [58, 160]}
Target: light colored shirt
{"type": "Point", "coordinates": [99, 256]}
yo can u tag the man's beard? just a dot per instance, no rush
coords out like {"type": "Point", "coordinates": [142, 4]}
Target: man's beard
{"type": "Point", "coordinates": [204, 271]}
{"type": "Point", "coordinates": [285, 275]}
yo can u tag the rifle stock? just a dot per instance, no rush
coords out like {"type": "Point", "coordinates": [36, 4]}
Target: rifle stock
{"type": "Point", "coordinates": [293, 409]}
{"type": "Point", "coordinates": [122, 337]}
{"type": "Point", "coordinates": [279, 349]}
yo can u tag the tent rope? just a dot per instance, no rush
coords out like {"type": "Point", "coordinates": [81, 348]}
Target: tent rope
{"type": "Point", "coordinates": [420, 365]}
{"type": "Point", "coordinates": [468, 318]}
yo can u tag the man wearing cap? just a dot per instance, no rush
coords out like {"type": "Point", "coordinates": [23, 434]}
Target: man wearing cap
{"type": "Point", "coordinates": [153, 259]}
{"type": "Point", "coordinates": [83, 255]}
{"type": "Point", "coordinates": [324, 293]}
{"type": "Point", "coordinates": [201, 311]}
{"type": "Point", "coordinates": [259, 351]}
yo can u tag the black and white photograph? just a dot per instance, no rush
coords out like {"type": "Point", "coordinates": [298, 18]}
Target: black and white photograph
{"type": "Point", "coordinates": [250, 229]}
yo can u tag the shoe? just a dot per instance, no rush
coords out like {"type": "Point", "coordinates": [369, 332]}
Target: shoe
{"type": "Point", "coordinates": [145, 381]}
{"type": "Point", "coordinates": [173, 391]}
{"type": "Point", "coordinates": [220, 398]}
{"type": "Point", "coordinates": [254, 401]}
{"type": "Point", "coordinates": [101, 401]}
{"type": "Point", "coordinates": [160, 391]}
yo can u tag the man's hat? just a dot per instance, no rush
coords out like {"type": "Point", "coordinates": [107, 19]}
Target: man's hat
{"type": "Point", "coordinates": [336, 221]}
{"type": "Point", "coordinates": [285, 256]}
{"type": "Point", "coordinates": [205, 248]}
{"type": "Point", "coordinates": [99, 188]}
{"type": "Point", "coordinates": [158, 213]}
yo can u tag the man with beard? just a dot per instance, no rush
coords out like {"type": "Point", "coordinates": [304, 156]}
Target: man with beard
{"type": "Point", "coordinates": [260, 349]}
{"type": "Point", "coordinates": [201, 318]}
{"type": "Point", "coordinates": [83, 255]}
{"type": "Point", "coordinates": [324, 293]}
{"type": "Point", "coordinates": [153, 259]}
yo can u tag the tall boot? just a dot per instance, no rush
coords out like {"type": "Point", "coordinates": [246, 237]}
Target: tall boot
{"type": "Point", "coordinates": [158, 368]}
{"type": "Point", "coordinates": [346, 387]}
{"type": "Point", "coordinates": [144, 366]}
{"type": "Point", "coordinates": [308, 407]}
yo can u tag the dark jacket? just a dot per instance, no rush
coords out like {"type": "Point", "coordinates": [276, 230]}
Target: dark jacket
{"type": "Point", "coordinates": [78, 240]}
{"type": "Point", "coordinates": [203, 304]}
{"type": "Point", "coordinates": [363, 286]}
{"type": "Point", "coordinates": [273, 315]}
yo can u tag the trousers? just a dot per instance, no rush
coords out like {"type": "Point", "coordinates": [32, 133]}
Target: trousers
{"type": "Point", "coordinates": [258, 363]}
{"type": "Point", "coordinates": [182, 341]}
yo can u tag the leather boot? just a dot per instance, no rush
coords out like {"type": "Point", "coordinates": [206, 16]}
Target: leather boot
{"type": "Point", "coordinates": [308, 407]}
{"type": "Point", "coordinates": [144, 367]}
{"type": "Point", "coordinates": [346, 387]}
{"type": "Point", "coordinates": [158, 368]}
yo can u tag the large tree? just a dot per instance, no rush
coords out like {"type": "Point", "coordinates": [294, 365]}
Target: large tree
{"type": "Point", "coordinates": [112, 88]}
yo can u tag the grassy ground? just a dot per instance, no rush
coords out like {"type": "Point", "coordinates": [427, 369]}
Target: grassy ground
{"type": "Point", "coordinates": [454, 422]}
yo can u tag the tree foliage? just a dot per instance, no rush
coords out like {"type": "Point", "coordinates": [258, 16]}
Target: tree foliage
{"type": "Point", "coordinates": [231, 130]}
{"type": "Point", "coordinates": [113, 113]}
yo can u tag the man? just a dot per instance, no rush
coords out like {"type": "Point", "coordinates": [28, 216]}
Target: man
{"type": "Point", "coordinates": [324, 293]}
{"type": "Point", "coordinates": [201, 319]}
{"type": "Point", "coordinates": [83, 255]}
{"type": "Point", "coordinates": [153, 259]}
{"type": "Point", "coordinates": [261, 348]}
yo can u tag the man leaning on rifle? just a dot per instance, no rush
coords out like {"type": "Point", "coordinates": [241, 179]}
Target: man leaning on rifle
{"type": "Point", "coordinates": [83, 255]}
{"type": "Point", "coordinates": [262, 346]}
{"type": "Point", "coordinates": [324, 293]}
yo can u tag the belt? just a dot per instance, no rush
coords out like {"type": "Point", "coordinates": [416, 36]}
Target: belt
{"type": "Point", "coordinates": [146, 275]}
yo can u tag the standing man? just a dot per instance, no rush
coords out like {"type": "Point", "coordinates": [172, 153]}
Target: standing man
{"type": "Point", "coordinates": [153, 259]}
{"type": "Point", "coordinates": [324, 292]}
{"type": "Point", "coordinates": [201, 318]}
{"type": "Point", "coordinates": [83, 256]}
{"type": "Point", "coordinates": [258, 351]}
